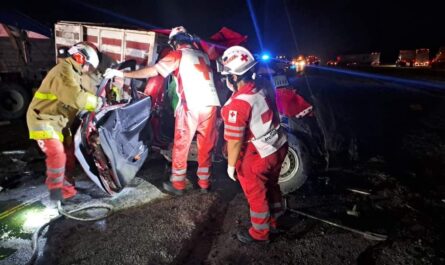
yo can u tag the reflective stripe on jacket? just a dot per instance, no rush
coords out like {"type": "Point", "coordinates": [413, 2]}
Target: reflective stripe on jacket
{"type": "Point", "coordinates": [57, 101]}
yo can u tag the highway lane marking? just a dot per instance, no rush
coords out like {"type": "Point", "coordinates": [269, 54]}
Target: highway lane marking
{"type": "Point", "coordinates": [22, 205]}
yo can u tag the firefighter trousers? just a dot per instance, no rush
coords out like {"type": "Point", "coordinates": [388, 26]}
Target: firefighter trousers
{"type": "Point", "coordinates": [187, 123]}
{"type": "Point", "coordinates": [59, 161]}
{"type": "Point", "coordinates": [259, 180]}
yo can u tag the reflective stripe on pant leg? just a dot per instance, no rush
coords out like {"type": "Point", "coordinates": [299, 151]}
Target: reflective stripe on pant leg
{"type": "Point", "coordinates": [253, 184]}
{"type": "Point", "coordinates": [260, 220]}
{"type": "Point", "coordinates": [55, 162]}
{"type": "Point", "coordinates": [177, 178]}
{"type": "Point", "coordinates": [203, 174]}
{"type": "Point", "coordinates": [184, 130]}
{"type": "Point", "coordinates": [206, 140]}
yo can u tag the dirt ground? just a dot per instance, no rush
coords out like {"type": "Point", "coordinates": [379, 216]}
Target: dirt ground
{"type": "Point", "coordinates": [395, 188]}
{"type": "Point", "coordinates": [201, 228]}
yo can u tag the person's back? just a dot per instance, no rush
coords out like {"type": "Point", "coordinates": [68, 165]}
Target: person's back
{"type": "Point", "coordinates": [197, 79]}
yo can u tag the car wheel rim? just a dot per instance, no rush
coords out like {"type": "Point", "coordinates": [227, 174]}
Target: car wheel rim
{"type": "Point", "coordinates": [290, 166]}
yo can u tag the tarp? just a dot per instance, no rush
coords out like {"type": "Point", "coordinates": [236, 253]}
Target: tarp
{"type": "Point", "coordinates": [222, 40]}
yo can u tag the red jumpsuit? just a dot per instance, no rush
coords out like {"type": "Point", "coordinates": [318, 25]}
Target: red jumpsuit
{"type": "Point", "coordinates": [248, 117]}
{"type": "Point", "coordinates": [195, 111]}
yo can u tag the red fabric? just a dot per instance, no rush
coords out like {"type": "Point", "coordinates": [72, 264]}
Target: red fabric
{"type": "Point", "coordinates": [236, 114]}
{"type": "Point", "coordinates": [169, 63]}
{"type": "Point", "coordinates": [162, 31]}
{"type": "Point", "coordinates": [154, 89]}
{"type": "Point", "coordinates": [56, 165]}
{"type": "Point", "coordinates": [187, 123]}
{"type": "Point", "coordinates": [220, 41]}
{"type": "Point", "coordinates": [259, 179]}
{"type": "Point", "coordinates": [290, 103]}
{"type": "Point", "coordinates": [228, 37]}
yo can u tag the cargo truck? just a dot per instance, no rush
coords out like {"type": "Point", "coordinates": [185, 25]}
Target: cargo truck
{"type": "Point", "coordinates": [406, 58]}
{"type": "Point", "coordinates": [422, 58]}
{"type": "Point", "coordinates": [25, 58]}
{"type": "Point", "coordinates": [370, 59]}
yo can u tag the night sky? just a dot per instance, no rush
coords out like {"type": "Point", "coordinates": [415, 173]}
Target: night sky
{"type": "Point", "coordinates": [324, 28]}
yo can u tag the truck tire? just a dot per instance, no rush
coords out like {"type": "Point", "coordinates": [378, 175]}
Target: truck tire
{"type": "Point", "coordinates": [295, 167]}
{"type": "Point", "coordinates": [14, 101]}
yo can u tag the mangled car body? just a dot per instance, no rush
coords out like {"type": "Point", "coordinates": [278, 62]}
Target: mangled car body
{"type": "Point", "coordinates": [113, 144]}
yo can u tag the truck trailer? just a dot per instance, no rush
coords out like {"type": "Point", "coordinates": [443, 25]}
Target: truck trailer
{"type": "Point", "coordinates": [406, 58]}
{"type": "Point", "coordinates": [363, 59]}
{"type": "Point", "coordinates": [25, 58]}
{"type": "Point", "coordinates": [422, 58]}
{"type": "Point", "coordinates": [115, 44]}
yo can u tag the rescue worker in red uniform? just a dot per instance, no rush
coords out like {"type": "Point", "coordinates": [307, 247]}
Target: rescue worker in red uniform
{"type": "Point", "coordinates": [53, 110]}
{"type": "Point", "coordinates": [256, 144]}
{"type": "Point", "coordinates": [195, 108]}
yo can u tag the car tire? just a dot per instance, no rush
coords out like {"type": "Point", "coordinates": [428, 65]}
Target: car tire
{"type": "Point", "coordinates": [14, 101]}
{"type": "Point", "coordinates": [295, 167]}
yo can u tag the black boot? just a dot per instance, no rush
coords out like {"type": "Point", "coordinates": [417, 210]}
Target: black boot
{"type": "Point", "coordinates": [244, 236]}
{"type": "Point", "coordinates": [168, 187]}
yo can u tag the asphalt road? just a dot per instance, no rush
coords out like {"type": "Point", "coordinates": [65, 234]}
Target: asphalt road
{"type": "Point", "coordinates": [387, 147]}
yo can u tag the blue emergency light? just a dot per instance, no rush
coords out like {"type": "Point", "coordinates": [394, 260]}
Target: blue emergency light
{"type": "Point", "coordinates": [265, 57]}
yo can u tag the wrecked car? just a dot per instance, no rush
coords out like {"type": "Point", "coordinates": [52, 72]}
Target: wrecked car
{"type": "Point", "coordinates": [114, 143]}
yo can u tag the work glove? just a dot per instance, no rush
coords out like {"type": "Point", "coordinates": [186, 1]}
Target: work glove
{"type": "Point", "coordinates": [110, 73]}
{"type": "Point", "coordinates": [231, 172]}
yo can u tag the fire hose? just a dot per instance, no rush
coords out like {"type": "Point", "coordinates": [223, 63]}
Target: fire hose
{"type": "Point", "coordinates": [67, 214]}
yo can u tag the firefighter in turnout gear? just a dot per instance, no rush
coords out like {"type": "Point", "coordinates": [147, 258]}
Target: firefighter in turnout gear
{"type": "Point", "coordinates": [256, 144]}
{"type": "Point", "coordinates": [196, 103]}
{"type": "Point", "coordinates": [52, 111]}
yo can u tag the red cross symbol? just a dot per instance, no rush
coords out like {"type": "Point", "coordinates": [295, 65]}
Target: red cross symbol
{"type": "Point", "coordinates": [203, 68]}
{"type": "Point", "coordinates": [232, 114]}
{"type": "Point", "coordinates": [244, 57]}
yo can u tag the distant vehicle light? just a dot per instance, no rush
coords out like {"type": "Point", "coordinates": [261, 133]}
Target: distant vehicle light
{"type": "Point", "coordinates": [265, 57]}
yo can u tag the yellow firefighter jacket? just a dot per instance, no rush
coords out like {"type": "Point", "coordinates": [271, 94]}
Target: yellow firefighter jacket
{"type": "Point", "coordinates": [57, 101]}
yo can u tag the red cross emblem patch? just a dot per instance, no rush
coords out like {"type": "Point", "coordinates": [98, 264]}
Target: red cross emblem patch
{"type": "Point", "coordinates": [244, 57]}
{"type": "Point", "coordinates": [232, 116]}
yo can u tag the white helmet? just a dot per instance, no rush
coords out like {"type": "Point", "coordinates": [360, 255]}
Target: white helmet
{"type": "Point", "coordinates": [175, 31]}
{"type": "Point", "coordinates": [237, 60]}
{"type": "Point", "coordinates": [87, 51]}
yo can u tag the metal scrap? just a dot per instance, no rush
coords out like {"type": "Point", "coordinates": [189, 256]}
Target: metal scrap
{"type": "Point", "coordinates": [359, 191]}
{"type": "Point", "coordinates": [13, 152]}
{"type": "Point", "coordinates": [354, 211]}
{"type": "Point", "coordinates": [365, 234]}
